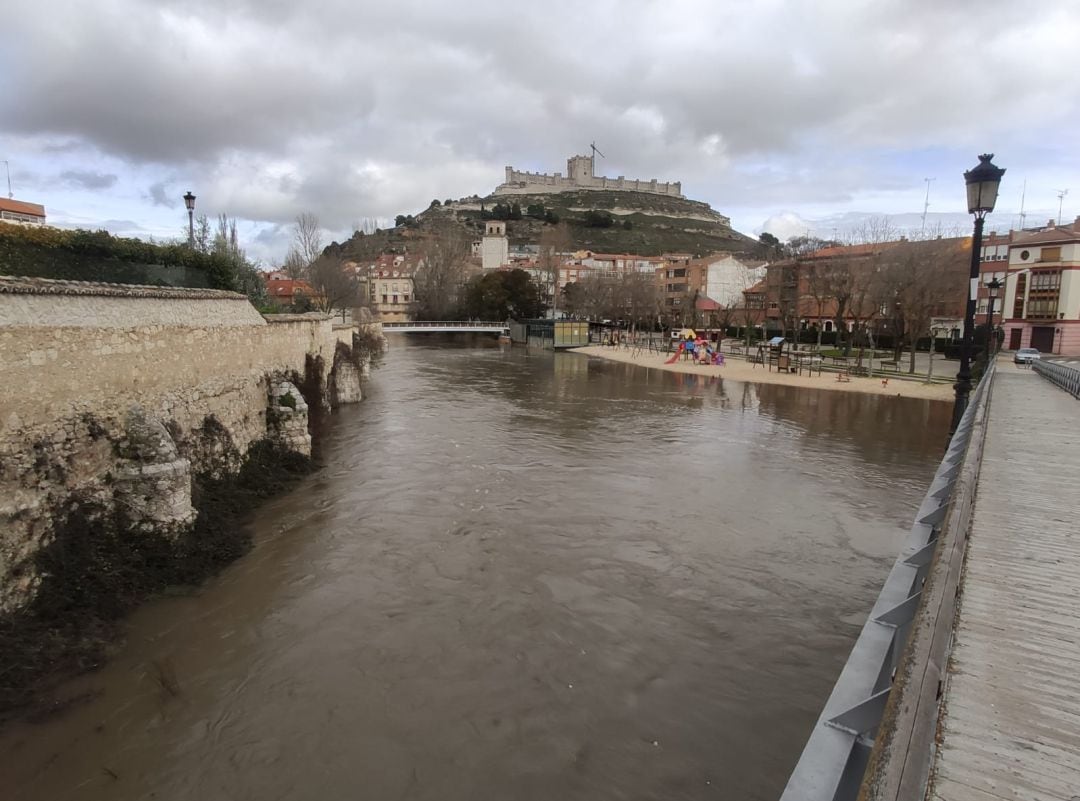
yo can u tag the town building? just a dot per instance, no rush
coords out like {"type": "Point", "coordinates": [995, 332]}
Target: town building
{"type": "Point", "coordinates": [390, 286]}
{"type": "Point", "coordinates": [19, 212]}
{"type": "Point", "coordinates": [727, 277]}
{"type": "Point", "coordinates": [1042, 292]}
{"type": "Point", "coordinates": [801, 292]}
{"type": "Point", "coordinates": [580, 174]}
{"type": "Point", "coordinates": [285, 291]}
{"type": "Point", "coordinates": [494, 247]}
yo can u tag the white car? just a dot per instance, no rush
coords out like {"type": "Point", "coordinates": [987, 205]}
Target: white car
{"type": "Point", "coordinates": [1026, 355]}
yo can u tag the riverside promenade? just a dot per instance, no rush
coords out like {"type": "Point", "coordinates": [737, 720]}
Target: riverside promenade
{"type": "Point", "coordinates": [1010, 722]}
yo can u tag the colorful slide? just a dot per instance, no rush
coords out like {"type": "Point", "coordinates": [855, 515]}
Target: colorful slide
{"type": "Point", "coordinates": [675, 356]}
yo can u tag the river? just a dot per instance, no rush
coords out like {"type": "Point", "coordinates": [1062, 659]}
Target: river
{"type": "Point", "coordinates": [517, 575]}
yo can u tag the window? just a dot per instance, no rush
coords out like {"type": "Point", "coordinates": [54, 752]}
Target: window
{"type": "Point", "coordinates": [1046, 281]}
{"type": "Point", "coordinates": [395, 287]}
{"type": "Point", "coordinates": [1021, 289]}
{"type": "Point", "coordinates": [1042, 308]}
{"type": "Point", "coordinates": [395, 299]}
{"type": "Point", "coordinates": [1050, 254]}
{"type": "Point", "coordinates": [384, 299]}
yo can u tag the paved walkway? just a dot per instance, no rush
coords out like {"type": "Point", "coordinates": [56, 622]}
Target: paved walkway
{"type": "Point", "coordinates": [1011, 725]}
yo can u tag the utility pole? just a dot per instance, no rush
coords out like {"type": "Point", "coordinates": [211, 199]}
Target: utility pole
{"type": "Point", "coordinates": [1061, 198]}
{"type": "Point", "coordinates": [926, 205]}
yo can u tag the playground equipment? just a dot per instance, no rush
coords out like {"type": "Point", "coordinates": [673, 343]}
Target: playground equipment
{"type": "Point", "coordinates": [699, 350]}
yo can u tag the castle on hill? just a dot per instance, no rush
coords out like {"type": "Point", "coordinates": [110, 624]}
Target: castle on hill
{"type": "Point", "coordinates": [580, 175]}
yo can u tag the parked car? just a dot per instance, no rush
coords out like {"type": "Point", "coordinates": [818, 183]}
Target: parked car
{"type": "Point", "coordinates": [1027, 355]}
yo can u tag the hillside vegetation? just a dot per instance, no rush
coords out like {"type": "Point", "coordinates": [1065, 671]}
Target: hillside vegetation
{"type": "Point", "coordinates": [602, 221]}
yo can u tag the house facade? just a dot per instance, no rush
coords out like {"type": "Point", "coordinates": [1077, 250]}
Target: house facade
{"type": "Point", "coordinates": [19, 212]}
{"type": "Point", "coordinates": [390, 287]}
{"type": "Point", "coordinates": [1042, 291]}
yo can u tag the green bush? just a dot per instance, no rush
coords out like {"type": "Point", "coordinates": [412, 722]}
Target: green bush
{"type": "Point", "coordinates": [99, 256]}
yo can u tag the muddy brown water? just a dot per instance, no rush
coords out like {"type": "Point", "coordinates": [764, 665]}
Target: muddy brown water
{"type": "Point", "coordinates": [517, 576]}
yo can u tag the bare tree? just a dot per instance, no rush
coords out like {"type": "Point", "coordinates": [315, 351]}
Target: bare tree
{"type": "Point", "coordinates": [441, 273]}
{"type": "Point", "coordinates": [294, 266]}
{"type": "Point", "coordinates": [918, 278]}
{"type": "Point", "coordinates": [554, 242]}
{"type": "Point", "coordinates": [874, 230]}
{"type": "Point", "coordinates": [225, 244]}
{"type": "Point", "coordinates": [307, 238]}
{"type": "Point", "coordinates": [336, 287]}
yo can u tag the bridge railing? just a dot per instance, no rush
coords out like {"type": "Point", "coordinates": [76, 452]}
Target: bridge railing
{"type": "Point", "coordinates": [1068, 378]}
{"type": "Point", "coordinates": [447, 324]}
{"type": "Point", "coordinates": [834, 764]}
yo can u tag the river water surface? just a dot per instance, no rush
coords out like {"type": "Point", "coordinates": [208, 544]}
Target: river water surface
{"type": "Point", "coordinates": [516, 576]}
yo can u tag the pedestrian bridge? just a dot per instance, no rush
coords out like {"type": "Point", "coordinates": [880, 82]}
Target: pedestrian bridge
{"type": "Point", "coordinates": [963, 684]}
{"type": "Point", "coordinates": [446, 327]}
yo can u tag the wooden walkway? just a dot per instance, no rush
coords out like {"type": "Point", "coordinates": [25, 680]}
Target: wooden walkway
{"type": "Point", "coordinates": [1010, 726]}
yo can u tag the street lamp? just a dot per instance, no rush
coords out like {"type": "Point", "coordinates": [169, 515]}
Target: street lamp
{"type": "Point", "coordinates": [982, 191]}
{"type": "Point", "coordinates": [992, 289]}
{"type": "Point", "coordinates": [189, 201]}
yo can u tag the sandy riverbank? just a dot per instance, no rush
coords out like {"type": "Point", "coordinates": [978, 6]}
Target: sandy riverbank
{"type": "Point", "coordinates": [741, 370]}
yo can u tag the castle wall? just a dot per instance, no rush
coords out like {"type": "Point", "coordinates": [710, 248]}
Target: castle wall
{"type": "Point", "coordinates": [581, 177]}
{"type": "Point", "coordinates": [199, 375]}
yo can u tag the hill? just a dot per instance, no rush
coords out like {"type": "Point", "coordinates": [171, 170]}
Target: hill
{"type": "Point", "coordinates": [602, 221]}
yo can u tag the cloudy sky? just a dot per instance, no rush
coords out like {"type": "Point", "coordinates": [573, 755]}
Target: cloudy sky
{"type": "Point", "coordinates": [779, 113]}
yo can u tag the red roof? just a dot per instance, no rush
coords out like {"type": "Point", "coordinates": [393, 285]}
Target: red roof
{"type": "Point", "coordinates": [287, 287]}
{"type": "Point", "coordinates": [706, 304]}
{"type": "Point", "coordinates": [22, 207]}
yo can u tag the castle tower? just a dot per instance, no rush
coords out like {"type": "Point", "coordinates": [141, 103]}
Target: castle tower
{"type": "Point", "coordinates": [580, 169]}
{"type": "Point", "coordinates": [494, 247]}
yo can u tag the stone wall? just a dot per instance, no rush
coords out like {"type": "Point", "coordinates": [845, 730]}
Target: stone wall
{"type": "Point", "coordinates": [519, 182]}
{"type": "Point", "coordinates": [123, 395]}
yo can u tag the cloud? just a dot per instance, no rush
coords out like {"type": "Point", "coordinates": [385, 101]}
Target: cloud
{"type": "Point", "coordinates": [364, 110]}
{"type": "Point", "coordinates": [88, 179]}
{"type": "Point", "coordinates": [160, 195]}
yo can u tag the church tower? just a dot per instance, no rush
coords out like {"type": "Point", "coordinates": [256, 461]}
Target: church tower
{"type": "Point", "coordinates": [494, 247]}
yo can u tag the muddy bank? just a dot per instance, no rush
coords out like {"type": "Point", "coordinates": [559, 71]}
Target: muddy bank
{"type": "Point", "coordinates": [98, 566]}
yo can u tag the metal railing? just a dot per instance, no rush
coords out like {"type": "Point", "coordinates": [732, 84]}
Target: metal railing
{"type": "Point", "coordinates": [459, 325]}
{"type": "Point", "coordinates": [1068, 378]}
{"type": "Point", "coordinates": [834, 763]}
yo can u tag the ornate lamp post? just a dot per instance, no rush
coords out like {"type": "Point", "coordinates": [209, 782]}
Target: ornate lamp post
{"type": "Point", "coordinates": [982, 191]}
{"type": "Point", "coordinates": [992, 289]}
{"type": "Point", "coordinates": [189, 201]}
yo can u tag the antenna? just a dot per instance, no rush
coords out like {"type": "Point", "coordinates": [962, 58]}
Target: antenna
{"type": "Point", "coordinates": [595, 151]}
{"type": "Point", "coordinates": [8, 168]}
{"type": "Point", "coordinates": [926, 204]}
{"type": "Point", "coordinates": [1061, 198]}
{"type": "Point", "coordinates": [1023, 194]}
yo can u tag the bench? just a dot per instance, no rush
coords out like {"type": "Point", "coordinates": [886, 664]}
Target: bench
{"type": "Point", "coordinates": [894, 366]}
{"type": "Point", "coordinates": [843, 376]}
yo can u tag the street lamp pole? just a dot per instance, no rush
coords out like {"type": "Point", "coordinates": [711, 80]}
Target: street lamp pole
{"type": "Point", "coordinates": [992, 289]}
{"type": "Point", "coordinates": [189, 201]}
{"type": "Point", "coordinates": [982, 190]}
